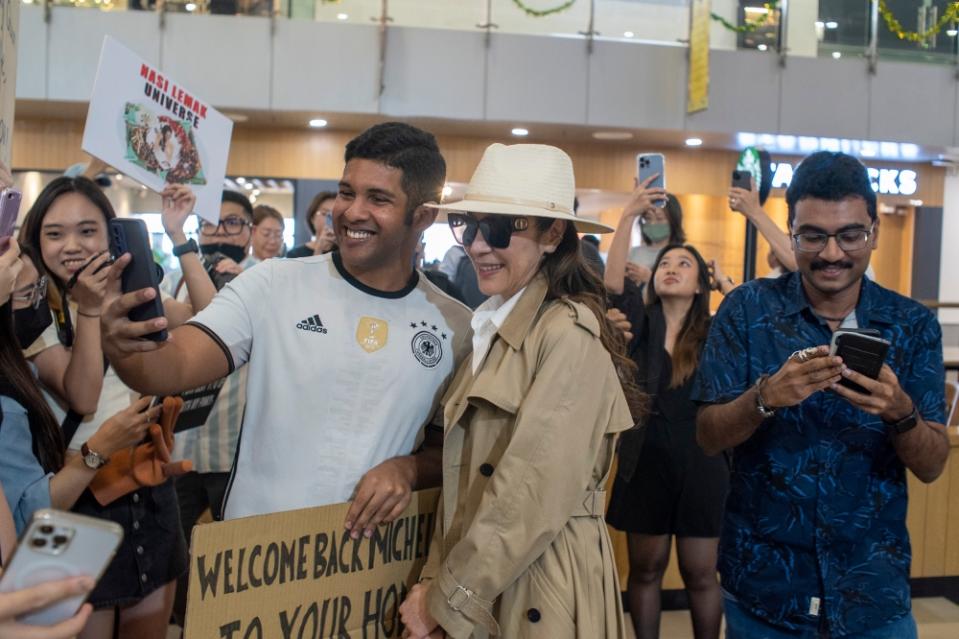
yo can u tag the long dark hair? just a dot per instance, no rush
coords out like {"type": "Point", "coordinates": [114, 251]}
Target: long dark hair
{"type": "Point", "coordinates": [33, 223]}
{"type": "Point", "coordinates": [17, 382]}
{"type": "Point", "coordinates": [695, 327]}
{"type": "Point", "coordinates": [567, 275]}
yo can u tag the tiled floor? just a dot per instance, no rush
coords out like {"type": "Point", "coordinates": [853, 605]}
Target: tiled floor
{"type": "Point", "coordinates": [937, 617]}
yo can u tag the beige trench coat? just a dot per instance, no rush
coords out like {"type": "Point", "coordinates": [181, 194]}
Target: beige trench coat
{"type": "Point", "coordinates": [521, 548]}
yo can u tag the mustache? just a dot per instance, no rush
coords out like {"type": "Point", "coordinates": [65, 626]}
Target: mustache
{"type": "Point", "coordinates": [819, 265]}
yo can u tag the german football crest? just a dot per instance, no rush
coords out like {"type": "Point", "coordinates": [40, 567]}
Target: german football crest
{"type": "Point", "coordinates": [372, 333]}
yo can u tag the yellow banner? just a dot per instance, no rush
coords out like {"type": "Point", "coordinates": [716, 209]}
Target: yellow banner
{"type": "Point", "coordinates": [697, 91]}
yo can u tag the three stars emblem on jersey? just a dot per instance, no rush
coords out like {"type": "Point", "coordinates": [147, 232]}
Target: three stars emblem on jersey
{"type": "Point", "coordinates": [372, 334]}
{"type": "Point", "coordinates": [427, 347]}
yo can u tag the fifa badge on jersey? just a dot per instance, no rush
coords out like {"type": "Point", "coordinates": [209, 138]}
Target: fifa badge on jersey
{"type": "Point", "coordinates": [372, 333]}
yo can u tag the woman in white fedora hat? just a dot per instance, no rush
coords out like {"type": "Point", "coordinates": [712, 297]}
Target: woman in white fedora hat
{"type": "Point", "coordinates": [521, 548]}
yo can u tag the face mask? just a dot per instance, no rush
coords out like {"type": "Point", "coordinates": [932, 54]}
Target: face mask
{"type": "Point", "coordinates": [656, 231]}
{"type": "Point", "coordinates": [232, 251]}
{"type": "Point", "coordinates": [29, 323]}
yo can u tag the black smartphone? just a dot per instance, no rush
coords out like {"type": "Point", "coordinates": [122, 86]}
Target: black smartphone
{"type": "Point", "coordinates": [742, 180]}
{"type": "Point", "coordinates": [128, 235]}
{"type": "Point", "coordinates": [863, 352]}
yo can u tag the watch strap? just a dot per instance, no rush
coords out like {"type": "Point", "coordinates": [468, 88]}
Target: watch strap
{"type": "Point", "coordinates": [190, 246]}
{"type": "Point", "coordinates": [91, 458]}
{"type": "Point", "coordinates": [905, 424]}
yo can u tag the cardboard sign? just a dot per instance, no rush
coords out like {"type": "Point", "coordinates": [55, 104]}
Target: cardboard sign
{"type": "Point", "coordinates": [9, 25]}
{"type": "Point", "coordinates": [298, 574]}
{"type": "Point", "coordinates": [145, 124]}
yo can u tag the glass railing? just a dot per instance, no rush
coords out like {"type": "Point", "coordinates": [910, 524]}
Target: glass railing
{"type": "Point", "coordinates": [833, 28]}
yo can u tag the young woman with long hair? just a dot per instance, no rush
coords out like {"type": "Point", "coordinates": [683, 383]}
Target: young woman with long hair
{"type": "Point", "coordinates": [666, 486]}
{"type": "Point", "coordinates": [67, 229]}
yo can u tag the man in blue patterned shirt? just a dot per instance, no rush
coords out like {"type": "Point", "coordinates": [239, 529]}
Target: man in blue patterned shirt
{"type": "Point", "coordinates": [814, 541]}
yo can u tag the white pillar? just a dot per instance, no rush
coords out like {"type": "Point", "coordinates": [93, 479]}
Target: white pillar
{"type": "Point", "coordinates": [949, 257]}
{"type": "Point", "coordinates": [801, 30]}
{"type": "Point", "coordinates": [719, 36]}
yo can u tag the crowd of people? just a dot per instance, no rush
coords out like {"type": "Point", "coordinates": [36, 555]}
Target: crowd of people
{"type": "Point", "coordinates": [731, 433]}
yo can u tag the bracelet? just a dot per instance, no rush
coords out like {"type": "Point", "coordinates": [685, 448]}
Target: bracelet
{"type": "Point", "coordinates": [79, 312]}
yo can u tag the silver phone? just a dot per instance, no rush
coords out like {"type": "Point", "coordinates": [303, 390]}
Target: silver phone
{"type": "Point", "coordinates": [59, 545]}
{"type": "Point", "coordinates": [649, 164]}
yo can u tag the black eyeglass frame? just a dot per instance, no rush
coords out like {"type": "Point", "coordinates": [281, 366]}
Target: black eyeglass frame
{"type": "Point", "coordinates": [222, 224]}
{"type": "Point", "coordinates": [843, 245]}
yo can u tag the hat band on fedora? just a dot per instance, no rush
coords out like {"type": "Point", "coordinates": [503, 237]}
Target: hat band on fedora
{"type": "Point", "coordinates": [535, 204]}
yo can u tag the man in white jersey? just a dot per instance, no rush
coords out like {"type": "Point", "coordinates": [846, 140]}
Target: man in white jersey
{"type": "Point", "coordinates": [384, 341]}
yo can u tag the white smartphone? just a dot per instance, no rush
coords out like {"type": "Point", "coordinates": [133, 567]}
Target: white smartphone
{"type": "Point", "coordinates": [649, 164]}
{"type": "Point", "coordinates": [58, 545]}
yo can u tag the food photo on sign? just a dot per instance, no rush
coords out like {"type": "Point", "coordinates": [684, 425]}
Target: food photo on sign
{"type": "Point", "coordinates": [145, 124]}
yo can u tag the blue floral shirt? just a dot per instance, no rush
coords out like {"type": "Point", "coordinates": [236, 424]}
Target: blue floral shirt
{"type": "Point", "coordinates": [814, 533]}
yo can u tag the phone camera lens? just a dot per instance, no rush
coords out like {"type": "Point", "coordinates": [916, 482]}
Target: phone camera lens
{"type": "Point", "coordinates": [46, 529]}
{"type": "Point", "coordinates": [38, 542]}
{"type": "Point", "coordinates": [59, 540]}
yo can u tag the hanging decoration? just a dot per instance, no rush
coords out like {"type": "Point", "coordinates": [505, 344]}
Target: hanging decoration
{"type": "Point", "coordinates": [949, 16]}
{"type": "Point", "coordinates": [542, 13]}
{"type": "Point", "coordinates": [748, 25]}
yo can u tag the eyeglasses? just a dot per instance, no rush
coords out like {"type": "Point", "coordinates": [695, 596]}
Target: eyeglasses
{"type": "Point", "coordinates": [232, 225]}
{"type": "Point", "coordinates": [848, 240]}
{"type": "Point", "coordinates": [497, 229]}
{"type": "Point", "coordinates": [32, 294]}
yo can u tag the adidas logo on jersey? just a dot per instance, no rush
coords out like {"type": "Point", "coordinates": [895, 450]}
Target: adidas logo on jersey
{"type": "Point", "coordinates": [312, 324]}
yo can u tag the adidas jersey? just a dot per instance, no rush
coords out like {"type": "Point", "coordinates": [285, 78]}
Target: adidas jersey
{"type": "Point", "coordinates": [340, 376]}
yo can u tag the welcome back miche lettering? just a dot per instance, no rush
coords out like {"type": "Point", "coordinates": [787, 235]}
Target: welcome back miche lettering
{"type": "Point", "coordinates": [174, 99]}
{"type": "Point", "coordinates": [312, 558]}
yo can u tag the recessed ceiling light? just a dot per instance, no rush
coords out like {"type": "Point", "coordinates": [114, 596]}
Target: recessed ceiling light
{"type": "Point", "coordinates": [612, 135]}
{"type": "Point", "coordinates": [952, 33]}
{"type": "Point", "coordinates": [447, 190]}
{"type": "Point", "coordinates": [832, 24]}
{"type": "Point", "coordinates": [241, 181]}
{"type": "Point", "coordinates": [762, 47]}
{"type": "Point", "coordinates": [694, 142]}
{"type": "Point", "coordinates": [628, 34]}
{"type": "Point", "coordinates": [248, 186]}
{"type": "Point", "coordinates": [836, 55]}
{"type": "Point", "coordinates": [256, 192]}
{"type": "Point", "coordinates": [189, 6]}
{"type": "Point", "coordinates": [820, 24]}
{"type": "Point", "coordinates": [342, 16]}
{"type": "Point", "coordinates": [520, 132]}
{"type": "Point", "coordinates": [318, 123]}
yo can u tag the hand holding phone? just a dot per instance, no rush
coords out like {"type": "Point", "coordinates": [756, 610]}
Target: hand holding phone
{"type": "Point", "coordinates": [651, 171]}
{"type": "Point", "coordinates": [863, 352]}
{"type": "Point", "coordinates": [58, 546]}
{"type": "Point", "coordinates": [128, 235]}
{"type": "Point", "coordinates": [9, 210]}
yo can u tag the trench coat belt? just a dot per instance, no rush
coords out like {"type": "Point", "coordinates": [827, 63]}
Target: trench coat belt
{"type": "Point", "coordinates": [593, 505]}
{"type": "Point", "coordinates": [465, 601]}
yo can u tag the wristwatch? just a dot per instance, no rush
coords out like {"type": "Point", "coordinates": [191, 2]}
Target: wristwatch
{"type": "Point", "coordinates": [92, 459]}
{"type": "Point", "coordinates": [764, 411]}
{"type": "Point", "coordinates": [905, 424]}
{"type": "Point", "coordinates": [187, 247]}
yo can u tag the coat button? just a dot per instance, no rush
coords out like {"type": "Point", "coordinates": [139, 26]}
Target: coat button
{"type": "Point", "coordinates": [486, 470]}
{"type": "Point", "coordinates": [533, 615]}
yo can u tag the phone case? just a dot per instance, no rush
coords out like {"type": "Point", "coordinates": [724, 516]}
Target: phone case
{"type": "Point", "coordinates": [9, 210]}
{"type": "Point", "coordinates": [862, 352]}
{"type": "Point", "coordinates": [59, 545]}
{"type": "Point", "coordinates": [128, 235]}
{"type": "Point", "coordinates": [741, 180]}
{"type": "Point", "coordinates": [648, 164]}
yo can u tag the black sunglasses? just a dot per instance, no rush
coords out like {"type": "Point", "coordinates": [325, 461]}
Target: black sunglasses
{"type": "Point", "coordinates": [497, 229]}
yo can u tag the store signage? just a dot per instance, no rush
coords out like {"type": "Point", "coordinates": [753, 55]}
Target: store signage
{"type": "Point", "coordinates": [884, 181]}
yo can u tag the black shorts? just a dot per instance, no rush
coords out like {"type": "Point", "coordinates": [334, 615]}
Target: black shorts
{"type": "Point", "coordinates": [676, 488]}
{"type": "Point", "coordinates": [153, 552]}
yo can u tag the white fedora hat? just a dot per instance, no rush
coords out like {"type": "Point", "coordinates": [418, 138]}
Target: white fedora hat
{"type": "Point", "coordinates": [524, 179]}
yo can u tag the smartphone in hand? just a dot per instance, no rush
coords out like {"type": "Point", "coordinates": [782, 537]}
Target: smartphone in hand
{"type": "Point", "coordinates": [9, 210]}
{"type": "Point", "coordinates": [128, 235]}
{"type": "Point", "coordinates": [59, 545]}
{"type": "Point", "coordinates": [649, 164]}
{"type": "Point", "coordinates": [860, 351]}
{"type": "Point", "coordinates": [742, 180]}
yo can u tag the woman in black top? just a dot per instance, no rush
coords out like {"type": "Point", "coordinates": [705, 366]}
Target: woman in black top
{"type": "Point", "coordinates": [666, 486]}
